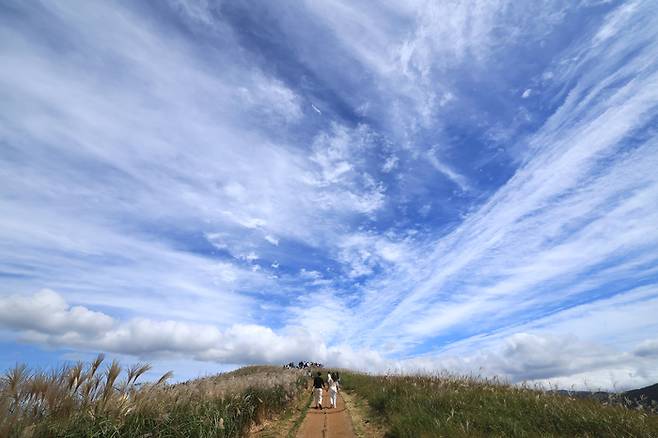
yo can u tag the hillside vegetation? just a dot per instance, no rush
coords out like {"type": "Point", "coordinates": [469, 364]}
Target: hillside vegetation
{"type": "Point", "coordinates": [106, 401]}
{"type": "Point", "coordinates": [434, 406]}
{"type": "Point", "coordinates": [103, 400]}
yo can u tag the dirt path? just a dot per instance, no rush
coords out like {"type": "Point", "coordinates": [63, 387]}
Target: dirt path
{"type": "Point", "coordinates": [327, 423]}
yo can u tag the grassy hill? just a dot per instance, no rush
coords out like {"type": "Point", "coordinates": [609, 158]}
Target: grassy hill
{"type": "Point", "coordinates": [433, 406]}
{"type": "Point", "coordinates": [104, 400]}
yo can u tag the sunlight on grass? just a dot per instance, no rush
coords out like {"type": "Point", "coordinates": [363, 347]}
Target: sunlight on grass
{"type": "Point", "coordinates": [97, 401]}
{"type": "Point", "coordinates": [444, 405]}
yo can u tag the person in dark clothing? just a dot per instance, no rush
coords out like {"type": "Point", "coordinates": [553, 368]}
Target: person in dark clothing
{"type": "Point", "coordinates": [318, 384]}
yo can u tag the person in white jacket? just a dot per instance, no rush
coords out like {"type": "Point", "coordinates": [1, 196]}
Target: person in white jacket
{"type": "Point", "coordinates": [333, 391]}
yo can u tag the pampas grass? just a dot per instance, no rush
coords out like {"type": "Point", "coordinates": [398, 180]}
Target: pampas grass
{"type": "Point", "coordinates": [455, 406]}
{"type": "Point", "coordinates": [96, 401]}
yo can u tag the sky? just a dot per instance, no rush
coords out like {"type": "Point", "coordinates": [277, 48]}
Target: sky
{"type": "Point", "coordinates": [461, 186]}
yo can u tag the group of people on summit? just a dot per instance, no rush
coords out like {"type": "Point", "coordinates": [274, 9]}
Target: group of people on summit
{"type": "Point", "coordinates": [302, 365]}
{"type": "Point", "coordinates": [332, 384]}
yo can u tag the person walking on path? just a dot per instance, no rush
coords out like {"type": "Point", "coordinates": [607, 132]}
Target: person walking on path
{"type": "Point", "coordinates": [333, 392]}
{"type": "Point", "coordinates": [318, 384]}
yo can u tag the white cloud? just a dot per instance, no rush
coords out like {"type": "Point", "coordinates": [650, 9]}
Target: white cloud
{"type": "Point", "coordinates": [340, 157]}
{"type": "Point", "coordinates": [447, 33]}
{"type": "Point", "coordinates": [565, 362]}
{"type": "Point", "coordinates": [142, 336]}
{"type": "Point", "coordinates": [573, 221]}
{"type": "Point", "coordinates": [101, 178]}
{"type": "Point", "coordinates": [46, 311]}
{"type": "Point", "coordinates": [250, 257]}
{"type": "Point", "coordinates": [533, 357]}
{"type": "Point", "coordinates": [311, 275]}
{"type": "Point", "coordinates": [362, 253]}
{"type": "Point", "coordinates": [390, 164]}
{"type": "Point", "coordinates": [46, 318]}
{"type": "Point", "coordinates": [616, 21]}
{"type": "Point", "coordinates": [199, 11]}
{"type": "Point", "coordinates": [648, 348]}
{"type": "Point", "coordinates": [273, 240]}
{"type": "Point", "coordinates": [154, 194]}
{"type": "Point", "coordinates": [447, 171]}
{"type": "Point", "coordinates": [322, 314]}
{"type": "Point", "coordinates": [336, 153]}
{"type": "Point", "coordinates": [272, 98]}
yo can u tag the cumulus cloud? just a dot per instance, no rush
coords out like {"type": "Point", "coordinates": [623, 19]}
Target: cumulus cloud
{"type": "Point", "coordinates": [532, 357]}
{"type": "Point", "coordinates": [46, 318]}
{"type": "Point", "coordinates": [567, 360]}
{"type": "Point", "coordinates": [142, 336]}
{"type": "Point", "coordinates": [47, 312]}
{"type": "Point", "coordinates": [549, 360]}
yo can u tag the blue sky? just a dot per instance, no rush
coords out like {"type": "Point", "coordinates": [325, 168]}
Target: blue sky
{"type": "Point", "coordinates": [467, 186]}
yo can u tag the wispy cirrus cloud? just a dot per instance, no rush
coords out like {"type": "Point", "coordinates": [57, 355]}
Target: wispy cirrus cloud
{"type": "Point", "coordinates": [403, 197]}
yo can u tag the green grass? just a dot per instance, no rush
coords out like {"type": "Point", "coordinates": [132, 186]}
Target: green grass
{"type": "Point", "coordinates": [93, 401]}
{"type": "Point", "coordinates": [300, 418]}
{"type": "Point", "coordinates": [435, 406]}
{"type": "Point", "coordinates": [105, 401]}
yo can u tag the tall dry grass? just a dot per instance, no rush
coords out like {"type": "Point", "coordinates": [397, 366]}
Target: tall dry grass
{"type": "Point", "coordinates": [452, 406]}
{"type": "Point", "coordinates": [97, 400]}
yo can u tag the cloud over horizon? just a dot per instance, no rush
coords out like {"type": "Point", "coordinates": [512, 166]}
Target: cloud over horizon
{"type": "Point", "coordinates": [465, 187]}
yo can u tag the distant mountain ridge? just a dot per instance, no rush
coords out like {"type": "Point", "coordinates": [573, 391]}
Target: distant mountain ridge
{"type": "Point", "coordinates": [647, 396]}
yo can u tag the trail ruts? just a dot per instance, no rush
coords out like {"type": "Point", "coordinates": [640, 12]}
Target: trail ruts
{"type": "Point", "coordinates": [327, 423]}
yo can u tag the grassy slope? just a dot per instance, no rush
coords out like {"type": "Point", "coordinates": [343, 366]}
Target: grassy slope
{"type": "Point", "coordinates": [454, 407]}
{"type": "Point", "coordinates": [100, 402]}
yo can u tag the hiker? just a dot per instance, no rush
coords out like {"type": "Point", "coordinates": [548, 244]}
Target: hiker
{"type": "Point", "coordinates": [318, 384]}
{"type": "Point", "coordinates": [333, 391]}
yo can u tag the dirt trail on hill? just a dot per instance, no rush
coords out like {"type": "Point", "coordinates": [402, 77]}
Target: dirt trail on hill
{"type": "Point", "coordinates": [327, 423]}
